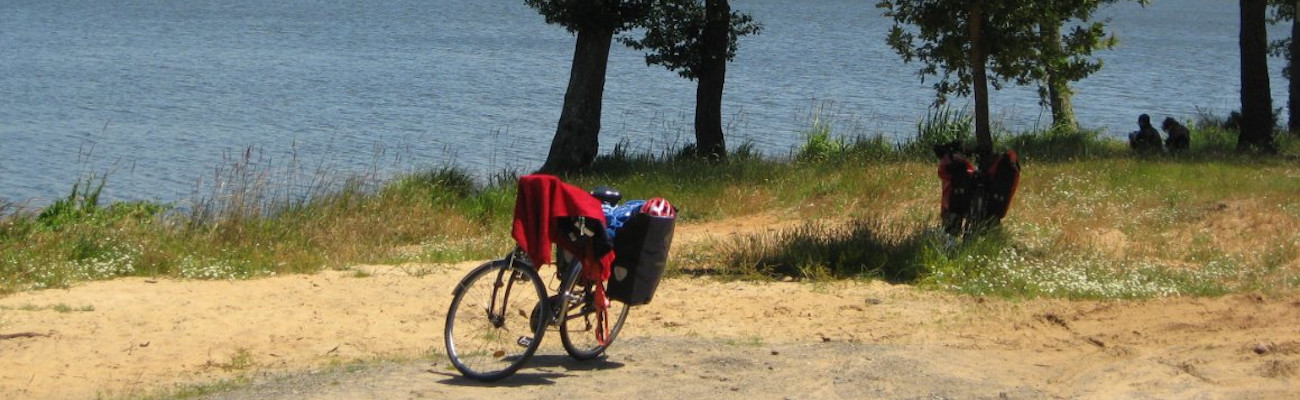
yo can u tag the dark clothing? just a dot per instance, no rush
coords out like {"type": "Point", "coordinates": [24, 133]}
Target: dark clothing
{"type": "Point", "coordinates": [1180, 139]}
{"type": "Point", "coordinates": [1146, 139]}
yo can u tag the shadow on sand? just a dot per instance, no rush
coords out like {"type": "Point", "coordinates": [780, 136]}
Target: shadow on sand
{"type": "Point", "coordinates": [540, 370]}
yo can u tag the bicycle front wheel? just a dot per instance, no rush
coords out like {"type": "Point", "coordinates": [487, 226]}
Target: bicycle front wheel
{"type": "Point", "coordinates": [977, 215]}
{"type": "Point", "coordinates": [496, 320]}
{"type": "Point", "coordinates": [580, 322]}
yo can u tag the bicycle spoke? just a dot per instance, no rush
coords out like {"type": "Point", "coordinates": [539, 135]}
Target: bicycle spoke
{"type": "Point", "coordinates": [489, 333]}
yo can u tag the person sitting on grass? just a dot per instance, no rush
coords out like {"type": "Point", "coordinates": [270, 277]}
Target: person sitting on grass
{"type": "Point", "coordinates": [1146, 139]}
{"type": "Point", "coordinates": [1179, 138]}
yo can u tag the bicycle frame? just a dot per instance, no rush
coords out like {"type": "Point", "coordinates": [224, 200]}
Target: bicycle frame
{"type": "Point", "coordinates": [520, 305]}
{"type": "Point", "coordinates": [498, 318]}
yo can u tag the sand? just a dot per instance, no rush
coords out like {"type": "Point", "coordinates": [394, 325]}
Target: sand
{"type": "Point", "coordinates": [302, 336]}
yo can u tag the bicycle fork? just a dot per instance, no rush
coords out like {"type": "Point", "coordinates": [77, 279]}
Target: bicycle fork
{"type": "Point", "coordinates": [498, 304]}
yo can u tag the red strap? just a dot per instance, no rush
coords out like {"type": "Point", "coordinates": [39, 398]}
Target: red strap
{"type": "Point", "coordinates": [602, 314]}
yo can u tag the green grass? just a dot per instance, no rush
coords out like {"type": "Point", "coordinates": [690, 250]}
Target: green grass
{"type": "Point", "coordinates": [60, 307]}
{"type": "Point", "coordinates": [248, 375]}
{"type": "Point", "coordinates": [1091, 220]}
{"type": "Point", "coordinates": [185, 391]}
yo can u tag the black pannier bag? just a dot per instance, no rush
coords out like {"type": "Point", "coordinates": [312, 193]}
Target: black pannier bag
{"type": "Point", "coordinates": [640, 255]}
{"type": "Point", "coordinates": [1003, 180]}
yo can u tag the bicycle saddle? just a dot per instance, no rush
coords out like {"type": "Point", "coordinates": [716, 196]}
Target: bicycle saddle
{"type": "Point", "coordinates": [607, 195]}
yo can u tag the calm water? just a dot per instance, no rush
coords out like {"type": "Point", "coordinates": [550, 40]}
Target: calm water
{"type": "Point", "coordinates": [160, 94]}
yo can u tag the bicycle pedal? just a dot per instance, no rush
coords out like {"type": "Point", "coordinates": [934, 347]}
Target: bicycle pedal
{"type": "Point", "coordinates": [524, 341]}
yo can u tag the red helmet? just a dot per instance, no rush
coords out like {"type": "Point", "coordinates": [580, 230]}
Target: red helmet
{"type": "Point", "coordinates": [658, 207]}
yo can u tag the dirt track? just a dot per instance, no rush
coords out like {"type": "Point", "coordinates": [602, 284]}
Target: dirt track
{"type": "Point", "coordinates": [698, 338]}
{"type": "Point", "coordinates": [877, 341]}
{"type": "Point", "coordinates": [676, 368]}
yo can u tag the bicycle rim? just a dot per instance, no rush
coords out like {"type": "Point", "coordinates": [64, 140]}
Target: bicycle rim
{"type": "Point", "coordinates": [580, 323]}
{"type": "Point", "coordinates": [492, 326]}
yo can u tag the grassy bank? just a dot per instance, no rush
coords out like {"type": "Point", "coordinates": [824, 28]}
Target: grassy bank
{"type": "Point", "coordinates": [1091, 220]}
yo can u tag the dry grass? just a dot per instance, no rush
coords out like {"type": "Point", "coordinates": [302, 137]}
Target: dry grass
{"type": "Point", "coordinates": [1092, 226]}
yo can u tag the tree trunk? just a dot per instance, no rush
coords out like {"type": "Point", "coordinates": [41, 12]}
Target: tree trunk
{"type": "Point", "coordinates": [1293, 62]}
{"type": "Point", "coordinates": [709, 139]}
{"type": "Point", "coordinates": [576, 141]}
{"type": "Point", "coordinates": [1059, 95]}
{"type": "Point", "coordinates": [979, 79]}
{"type": "Point", "coordinates": [1256, 98]}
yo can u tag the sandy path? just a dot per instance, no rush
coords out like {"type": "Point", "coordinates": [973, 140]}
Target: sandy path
{"type": "Point", "coordinates": [699, 337]}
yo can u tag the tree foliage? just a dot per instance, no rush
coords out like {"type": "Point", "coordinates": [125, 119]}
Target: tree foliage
{"type": "Point", "coordinates": [696, 38]}
{"type": "Point", "coordinates": [1282, 11]}
{"type": "Point", "coordinates": [937, 34]}
{"type": "Point", "coordinates": [1288, 49]}
{"type": "Point", "coordinates": [674, 35]}
{"type": "Point", "coordinates": [592, 15]}
{"type": "Point", "coordinates": [1024, 43]}
{"type": "Point", "coordinates": [1066, 56]}
{"type": "Point", "coordinates": [961, 41]}
{"type": "Point", "coordinates": [1074, 61]}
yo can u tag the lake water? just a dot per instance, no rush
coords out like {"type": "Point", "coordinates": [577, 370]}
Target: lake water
{"type": "Point", "coordinates": [161, 95]}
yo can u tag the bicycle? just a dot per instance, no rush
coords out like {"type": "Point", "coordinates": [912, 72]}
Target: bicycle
{"type": "Point", "coordinates": [972, 216]}
{"type": "Point", "coordinates": [975, 199]}
{"type": "Point", "coordinates": [501, 310]}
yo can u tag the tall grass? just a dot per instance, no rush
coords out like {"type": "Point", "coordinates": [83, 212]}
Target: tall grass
{"type": "Point", "coordinates": [251, 220]}
{"type": "Point", "coordinates": [1091, 220]}
{"type": "Point", "coordinates": [941, 124]}
{"type": "Point", "coordinates": [832, 138]}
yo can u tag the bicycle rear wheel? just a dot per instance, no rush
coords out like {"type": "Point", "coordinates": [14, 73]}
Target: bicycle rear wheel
{"type": "Point", "coordinates": [579, 323]}
{"type": "Point", "coordinates": [977, 215]}
{"type": "Point", "coordinates": [495, 322]}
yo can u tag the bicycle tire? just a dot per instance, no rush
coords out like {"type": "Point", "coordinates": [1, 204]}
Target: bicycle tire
{"type": "Point", "coordinates": [578, 323]}
{"type": "Point", "coordinates": [492, 324]}
{"type": "Point", "coordinates": [976, 219]}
